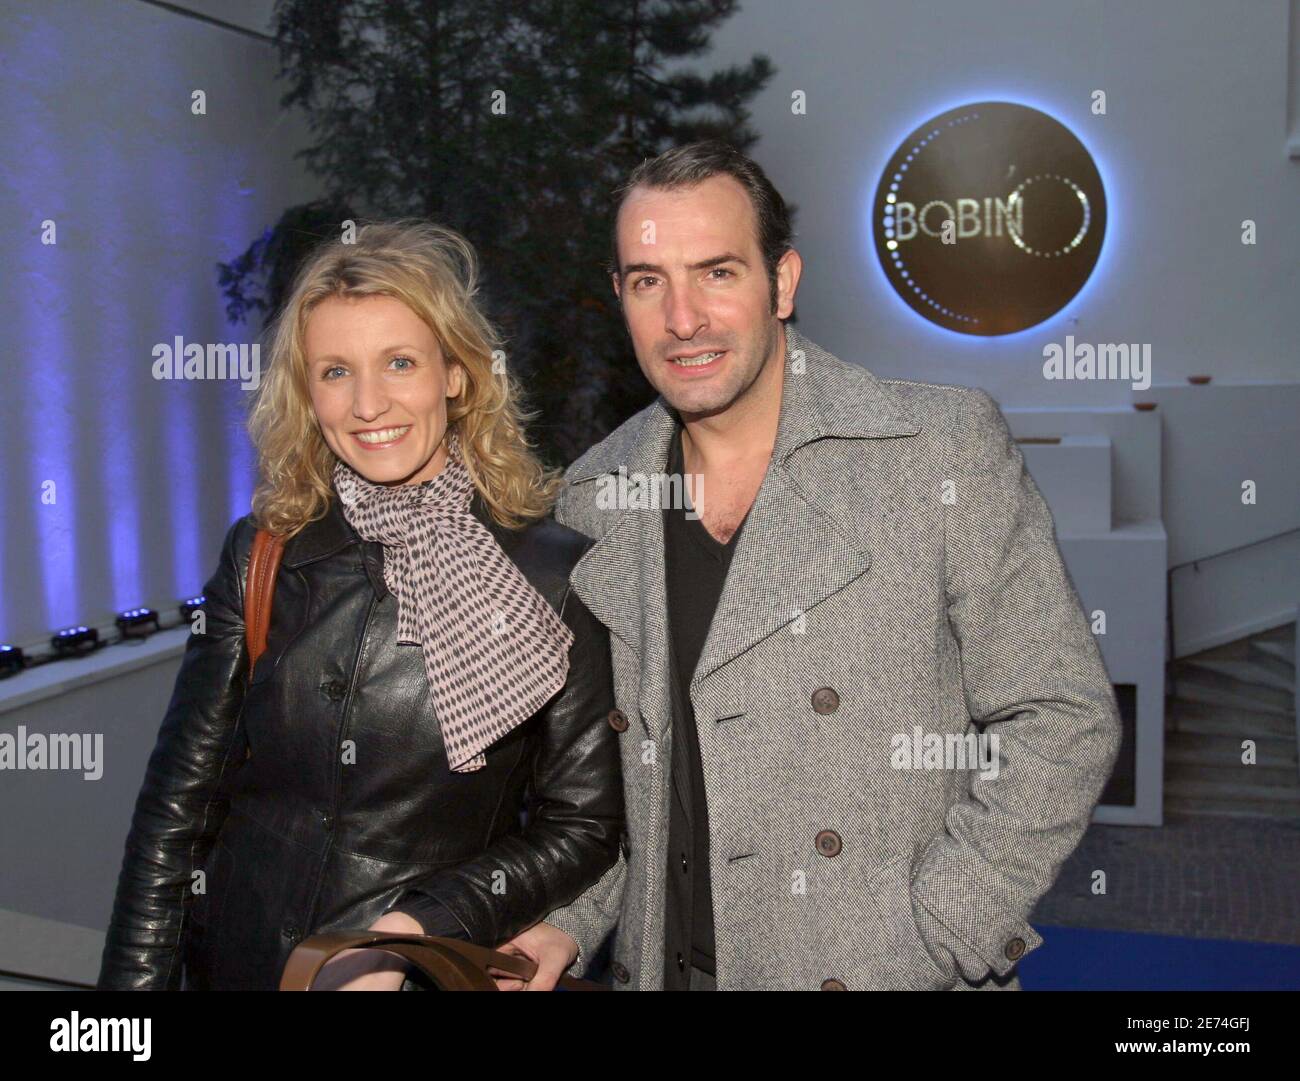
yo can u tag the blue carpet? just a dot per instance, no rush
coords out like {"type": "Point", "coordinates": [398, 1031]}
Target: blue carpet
{"type": "Point", "coordinates": [1076, 959]}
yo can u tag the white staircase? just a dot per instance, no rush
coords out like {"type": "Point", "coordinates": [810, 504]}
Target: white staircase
{"type": "Point", "coordinates": [1219, 698]}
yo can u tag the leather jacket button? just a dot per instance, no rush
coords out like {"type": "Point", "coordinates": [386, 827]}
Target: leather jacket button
{"type": "Point", "coordinates": [335, 690]}
{"type": "Point", "coordinates": [681, 963]}
{"type": "Point", "coordinates": [833, 985]}
{"type": "Point", "coordinates": [684, 863]}
{"type": "Point", "coordinates": [617, 720]}
{"type": "Point", "coordinates": [327, 821]}
{"type": "Point", "coordinates": [290, 932]}
{"type": "Point", "coordinates": [828, 843]}
{"type": "Point", "coordinates": [620, 972]}
{"type": "Point", "coordinates": [1014, 949]}
{"type": "Point", "coordinates": [825, 700]}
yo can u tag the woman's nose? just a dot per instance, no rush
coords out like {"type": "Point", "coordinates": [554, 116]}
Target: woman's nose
{"type": "Point", "coordinates": [368, 399]}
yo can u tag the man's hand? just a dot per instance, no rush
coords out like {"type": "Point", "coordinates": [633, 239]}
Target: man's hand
{"type": "Point", "coordinates": [549, 948]}
{"type": "Point", "coordinates": [369, 970]}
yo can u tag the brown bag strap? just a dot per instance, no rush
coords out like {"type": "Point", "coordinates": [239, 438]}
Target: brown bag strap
{"type": "Point", "coordinates": [259, 592]}
{"type": "Point", "coordinates": [452, 965]}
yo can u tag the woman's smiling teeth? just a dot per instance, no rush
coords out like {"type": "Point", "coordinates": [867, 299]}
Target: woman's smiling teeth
{"type": "Point", "coordinates": [382, 435]}
{"type": "Point", "coordinates": [695, 362]}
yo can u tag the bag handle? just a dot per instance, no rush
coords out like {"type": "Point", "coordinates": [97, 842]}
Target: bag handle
{"type": "Point", "coordinates": [259, 592]}
{"type": "Point", "coordinates": [451, 964]}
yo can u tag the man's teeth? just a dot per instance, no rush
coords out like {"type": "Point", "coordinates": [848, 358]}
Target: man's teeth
{"type": "Point", "coordinates": [695, 362]}
{"type": "Point", "coordinates": [387, 435]}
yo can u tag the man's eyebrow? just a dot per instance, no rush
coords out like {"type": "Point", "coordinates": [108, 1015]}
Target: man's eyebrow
{"type": "Point", "coordinates": [703, 264]}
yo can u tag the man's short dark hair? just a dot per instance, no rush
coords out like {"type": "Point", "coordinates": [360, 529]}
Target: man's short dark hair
{"type": "Point", "coordinates": [692, 164]}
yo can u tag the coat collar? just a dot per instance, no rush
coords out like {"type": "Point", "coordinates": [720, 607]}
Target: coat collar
{"type": "Point", "coordinates": [821, 397]}
{"type": "Point", "coordinates": [331, 533]}
{"type": "Point", "coordinates": [621, 578]}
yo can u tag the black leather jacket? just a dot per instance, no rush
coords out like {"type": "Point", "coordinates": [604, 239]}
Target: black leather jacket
{"type": "Point", "coordinates": [318, 797]}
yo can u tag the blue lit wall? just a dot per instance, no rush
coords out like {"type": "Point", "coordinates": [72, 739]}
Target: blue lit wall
{"type": "Point", "coordinates": [146, 197]}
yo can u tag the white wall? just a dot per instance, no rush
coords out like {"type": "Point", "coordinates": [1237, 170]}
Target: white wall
{"type": "Point", "coordinates": [1194, 141]}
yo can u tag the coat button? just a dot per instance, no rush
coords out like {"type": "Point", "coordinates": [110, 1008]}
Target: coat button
{"type": "Point", "coordinates": [618, 720]}
{"type": "Point", "coordinates": [828, 843]}
{"type": "Point", "coordinates": [327, 821]}
{"type": "Point", "coordinates": [825, 700]}
{"type": "Point", "coordinates": [290, 932]}
{"type": "Point", "coordinates": [683, 863]}
{"type": "Point", "coordinates": [620, 972]}
{"type": "Point", "coordinates": [833, 985]}
{"type": "Point", "coordinates": [1014, 949]}
{"type": "Point", "coordinates": [335, 690]}
{"type": "Point", "coordinates": [681, 963]}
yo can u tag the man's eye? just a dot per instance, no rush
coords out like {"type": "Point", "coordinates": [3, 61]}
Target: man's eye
{"type": "Point", "coordinates": [721, 270]}
{"type": "Point", "coordinates": [642, 281]}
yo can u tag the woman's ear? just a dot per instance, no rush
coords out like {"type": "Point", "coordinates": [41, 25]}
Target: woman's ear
{"type": "Point", "coordinates": [455, 380]}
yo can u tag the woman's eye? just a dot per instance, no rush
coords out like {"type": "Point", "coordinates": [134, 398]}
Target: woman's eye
{"type": "Point", "coordinates": [328, 373]}
{"type": "Point", "coordinates": [403, 363]}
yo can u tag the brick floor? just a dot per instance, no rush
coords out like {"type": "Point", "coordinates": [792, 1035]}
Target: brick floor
{"type": "Point", "coordinates": [1199, 876]}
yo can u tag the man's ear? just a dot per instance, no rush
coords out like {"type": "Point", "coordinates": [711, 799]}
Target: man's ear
{"type": "Point", "coordinates": [616, 281]}
{"type": "Point", "coordinates": [788, 271]}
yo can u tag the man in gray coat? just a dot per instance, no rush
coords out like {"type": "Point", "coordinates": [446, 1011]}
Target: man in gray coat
{"type": "Point", "coordinates": [862, 715]}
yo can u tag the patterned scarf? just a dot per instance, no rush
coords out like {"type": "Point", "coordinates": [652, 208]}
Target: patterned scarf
{"type": "Point", "coordinates": [494, 650]}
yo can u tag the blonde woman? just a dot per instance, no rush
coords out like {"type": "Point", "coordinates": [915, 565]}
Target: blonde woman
{"type": "Point", "coordinates": [425, 745]}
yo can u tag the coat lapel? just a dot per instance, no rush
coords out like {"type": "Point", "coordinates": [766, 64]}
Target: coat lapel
{"type": "Point", "coordinates": [792, 553]}
{"type": "Point", "coordinates": [621, 577]}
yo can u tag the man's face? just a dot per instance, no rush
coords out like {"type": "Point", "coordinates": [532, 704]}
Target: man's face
{"type": "Point", "coordinates": [695, 292]}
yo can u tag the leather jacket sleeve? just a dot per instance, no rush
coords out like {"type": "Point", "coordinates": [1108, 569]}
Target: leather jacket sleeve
{"type": "Point", "coordinates": [180, 808]}
{"type": "Point", "coordinates": [575, 815]}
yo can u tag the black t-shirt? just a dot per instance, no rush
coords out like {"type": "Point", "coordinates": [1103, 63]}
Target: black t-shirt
{"type": "Point", "coordinates": [696, 569]}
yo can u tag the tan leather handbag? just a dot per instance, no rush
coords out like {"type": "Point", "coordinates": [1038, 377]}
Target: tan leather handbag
{"type": "Point", "coordinates": [452, 965]}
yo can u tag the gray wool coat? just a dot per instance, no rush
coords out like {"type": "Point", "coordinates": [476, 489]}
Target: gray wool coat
{"type": "Point", "coordinates": [898, 577]}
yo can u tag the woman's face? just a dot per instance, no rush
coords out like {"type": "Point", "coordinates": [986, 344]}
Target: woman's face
{"type": "Point", "coordinates": [379, 386]}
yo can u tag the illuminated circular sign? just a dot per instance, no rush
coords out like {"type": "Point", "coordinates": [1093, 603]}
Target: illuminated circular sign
{"type": "Point", "coordinates": [989, 218]}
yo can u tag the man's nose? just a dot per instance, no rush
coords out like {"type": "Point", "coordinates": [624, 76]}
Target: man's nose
{"type": "Point", "coordinates": [685, 316]}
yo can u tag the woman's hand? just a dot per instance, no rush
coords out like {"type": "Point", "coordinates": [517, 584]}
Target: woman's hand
{"type": "Point", "coordinates": [366, 969]}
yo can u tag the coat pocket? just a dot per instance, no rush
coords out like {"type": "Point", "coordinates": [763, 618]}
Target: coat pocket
{"type": "Point", "coordinates": [902, 962]}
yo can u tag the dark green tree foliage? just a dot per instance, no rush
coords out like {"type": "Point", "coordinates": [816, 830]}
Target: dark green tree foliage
{"type": "Point", "coordinates": [511, 121]}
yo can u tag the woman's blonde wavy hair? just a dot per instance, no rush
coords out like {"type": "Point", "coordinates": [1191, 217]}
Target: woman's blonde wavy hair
{"type": "Point", "coordinates": [432, 270]}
